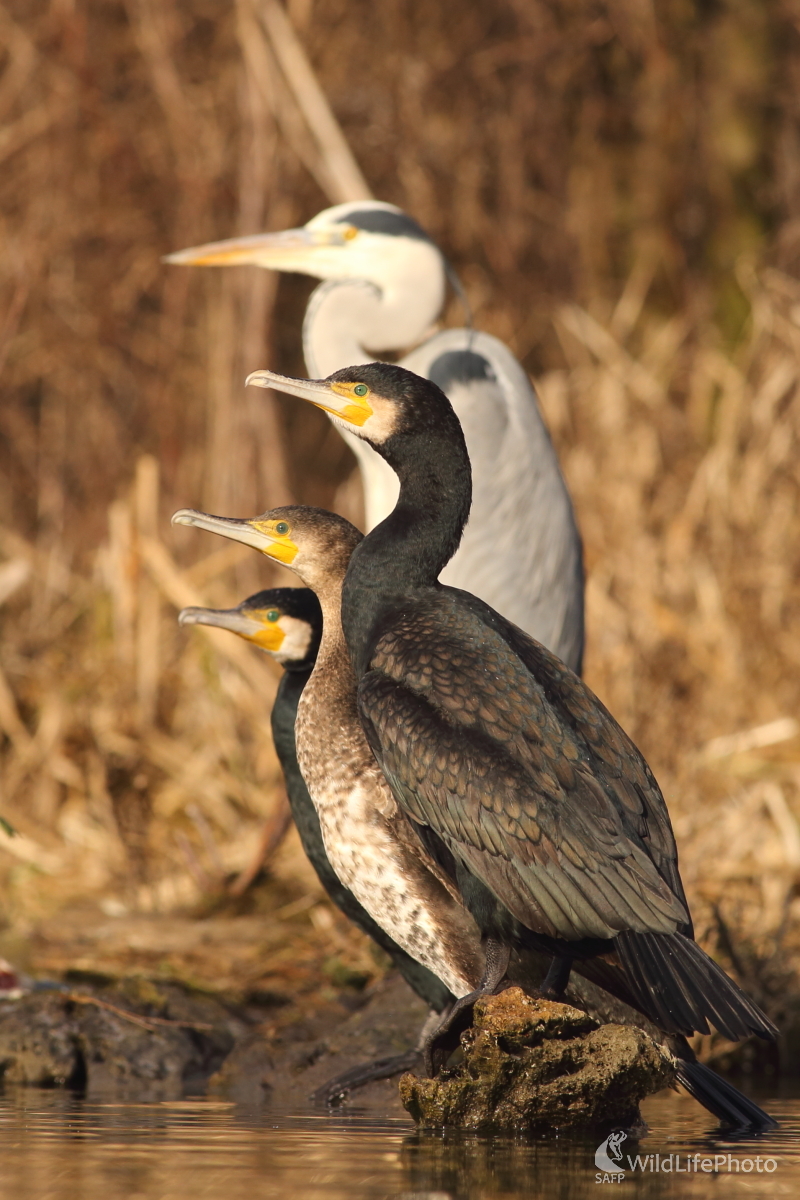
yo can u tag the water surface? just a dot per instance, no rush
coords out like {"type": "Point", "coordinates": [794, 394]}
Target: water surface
{"type": "Point", "coordinates": [56, 1146]}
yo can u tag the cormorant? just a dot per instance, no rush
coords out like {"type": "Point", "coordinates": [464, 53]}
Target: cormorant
{"type": "Point", "coordinates": [367, 839]}
{"type": "Point", "coordinates": [287, 623]}
{"type": "Point", "coordinates": [383, 288]}
{"type": "Point", "coordinates": [515, 776]}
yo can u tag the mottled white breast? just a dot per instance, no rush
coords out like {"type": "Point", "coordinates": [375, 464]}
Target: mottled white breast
{"type": "Point", "coordinates": [355, 808]}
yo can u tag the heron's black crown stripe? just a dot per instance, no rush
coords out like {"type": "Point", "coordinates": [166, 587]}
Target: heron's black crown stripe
{"type": "Point", "coordinates": [459, 366]}
{"type": "Point", "coordinates": [379, 220]}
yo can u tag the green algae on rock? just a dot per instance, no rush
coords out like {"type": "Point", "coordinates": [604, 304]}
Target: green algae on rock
{"type": "Point", "coordinates": [532, 1063]}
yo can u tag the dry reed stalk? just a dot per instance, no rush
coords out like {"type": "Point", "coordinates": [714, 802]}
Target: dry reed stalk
{"type": "Point", "coordinates": [342, 174]}
{"type": "Point", "coordinates": [266, 80]}
{"type": "Point", "coordinates": [148, 615]}
{"type": "Point", "coordinates": [121, 580]}
{"type": "Point", "coordinates": [272, 834]}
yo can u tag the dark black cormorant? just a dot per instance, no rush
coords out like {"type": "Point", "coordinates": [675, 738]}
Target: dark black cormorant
{"type": "Point", "coordinates": [515, 776]}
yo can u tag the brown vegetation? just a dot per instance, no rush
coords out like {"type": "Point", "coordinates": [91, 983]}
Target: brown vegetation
{"type": "Point", "coordinates": [616, 184]}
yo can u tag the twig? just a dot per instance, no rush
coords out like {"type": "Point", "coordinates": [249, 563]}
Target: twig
{"type": "Point", "coordinates": [272, 834]}
{"type": "Point", "coordinates": [726, 941]}
{"type": "Point", "coordinates": [195, 867]}
{"type": "Point", "coordinates": [10, 720]}
{"type": "Point", "coordinates": [148, 606]}
{"type": "Point", "coordinates": [345, 173]}
{"type": "Point", "coordinates": [144, 1022]}
{"type": "Point", "coordinates": [772, 734]}
{"type": "Point", "coordinates": [202, 826]}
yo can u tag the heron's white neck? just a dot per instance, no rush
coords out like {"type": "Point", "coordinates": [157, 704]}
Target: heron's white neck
{"type": "Point", "coordinates": [344, 320]}
{"type": "Point", "coordinates": [348, 320]}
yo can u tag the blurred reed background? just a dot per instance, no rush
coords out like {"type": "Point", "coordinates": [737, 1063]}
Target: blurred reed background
{"type": "Point", "coordinates": [617, 183]}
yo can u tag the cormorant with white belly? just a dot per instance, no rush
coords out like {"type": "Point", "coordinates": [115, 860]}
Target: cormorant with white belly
{"type": "Point", "coordinates": [515, 777]}
{"type": "Point", "coordinates": [287, 623]}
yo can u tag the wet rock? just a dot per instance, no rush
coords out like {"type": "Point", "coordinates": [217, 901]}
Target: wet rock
{"type": "Point", "coordinates": [532, 1063]}
{"type": "Point", "coordinates": [135, 1040]}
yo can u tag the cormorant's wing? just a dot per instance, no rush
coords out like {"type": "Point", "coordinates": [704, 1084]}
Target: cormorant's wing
{"type": "Point", "coordinates": [474, 748]}
{"type": "Point", "coordinates": [610, 751]}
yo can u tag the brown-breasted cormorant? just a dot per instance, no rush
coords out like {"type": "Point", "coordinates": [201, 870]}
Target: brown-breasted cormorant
{"type": "Point", "coordinates": [515, 776]}
{"type": "Point", "coordinates": [368, 841]}
{"type": "Point", "coordinates": [287, 623]}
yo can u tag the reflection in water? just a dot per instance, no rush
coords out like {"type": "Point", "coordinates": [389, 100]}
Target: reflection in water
{"type": "Point", "coordinates": [54, 1146]}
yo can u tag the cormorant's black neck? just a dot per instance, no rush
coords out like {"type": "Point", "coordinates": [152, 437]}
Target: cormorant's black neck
{"type": "Point", "coordinates": [284, 711]}
{"type": "Point", "coordinates": [407, 551]}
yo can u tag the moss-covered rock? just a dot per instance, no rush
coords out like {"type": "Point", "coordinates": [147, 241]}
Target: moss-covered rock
{"type": "Point", "coordinates": [531, 1062]}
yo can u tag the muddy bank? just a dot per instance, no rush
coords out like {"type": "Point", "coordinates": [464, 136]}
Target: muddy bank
{"type": "Point", "coordinates": [140, 1039]}
{"type": "Point", "coordinates": [133, 1039]}
{"type": "Point", "coordinates": [284, 1066]}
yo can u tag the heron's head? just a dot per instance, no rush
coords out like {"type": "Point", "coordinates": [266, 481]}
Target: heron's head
{"type": "Point", "coordinates": [381, 403]}
{"type": "Point", "coordinates": [286, 622]}
{"type": "Point", "coordinates": [363, 240]}
{"type": "Point", "coordinates": [313, 543]}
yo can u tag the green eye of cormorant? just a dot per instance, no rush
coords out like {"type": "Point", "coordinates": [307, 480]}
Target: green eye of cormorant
{"type": "Point", "coordinates": [273, 614]}
{"type": "Point", "coordinates": [282, 527]}
{"type": "Point", "coordinates": [360, 389]}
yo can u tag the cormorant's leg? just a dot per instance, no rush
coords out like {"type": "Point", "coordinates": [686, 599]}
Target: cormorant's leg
{"type": "Point", "coordinates": [555, 981]}
{"type": "Point", "coordinates": [444, 1040]}
{"type": "Point", "coordinates": [380, 1068]}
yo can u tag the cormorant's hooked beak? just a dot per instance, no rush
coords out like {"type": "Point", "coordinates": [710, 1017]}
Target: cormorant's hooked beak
{"type": "Point", "coordinates": [261, 534]}
{"type": "Point", "coordinates": [305, 250]}
{"type": "Point", "coordinates": [265, 634]}
{"type": "Point", "coordinates": [339, 399]}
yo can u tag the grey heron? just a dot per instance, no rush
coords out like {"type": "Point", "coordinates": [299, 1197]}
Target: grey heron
{"type": "Point", "coordinates": [383, 287]}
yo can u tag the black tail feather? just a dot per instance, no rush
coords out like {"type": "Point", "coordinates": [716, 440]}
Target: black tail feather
{"type": "Point", "coordinates": [721, 1098]}
{"type": "Point", "coordinates": [680, 988]}
{"type": "Point", "coordinates": [659, 992]}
